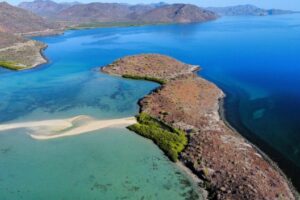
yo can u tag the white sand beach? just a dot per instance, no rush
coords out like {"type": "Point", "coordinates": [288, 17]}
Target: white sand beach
{"type": "Point", "coordinates": [50, 129]}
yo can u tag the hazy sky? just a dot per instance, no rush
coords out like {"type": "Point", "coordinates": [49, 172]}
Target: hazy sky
{"type": "Point", "coordinates": [284, 4]}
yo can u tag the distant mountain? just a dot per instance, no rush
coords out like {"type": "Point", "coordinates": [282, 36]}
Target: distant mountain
{"type": "Point", "coordinates": [160, 4]}
{"type": "Point", "coordinates": [17, 20]}
{"type": "Point", "coordinates": [244, 10]}
{"type": "Point", "coordinates": [151, 13]}
{"type": "Point", "coordinates": [179, 13]}
{"type": "Point", "coordinates": [95, 12]}
{"type": "Point", "coordinates": [45, 7]}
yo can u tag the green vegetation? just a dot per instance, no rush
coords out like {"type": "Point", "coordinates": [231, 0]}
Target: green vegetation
{"type": "Point", "coordinates": [111, 24]}
{"type": "Point", "coordinates": [148, 78]}
{"type": "Point", "coordinates": [172, 141]}
{"type": "Point", "coordinates": [104, 25]}
{"type": "Point", "coordinates": [11, 65]}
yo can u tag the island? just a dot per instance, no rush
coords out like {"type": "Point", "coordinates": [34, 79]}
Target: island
{"type": "Point", "coordinates": [182, 117]}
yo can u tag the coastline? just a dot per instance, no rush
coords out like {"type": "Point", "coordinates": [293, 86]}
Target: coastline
{"type": "Point", "coordinates": [262, 153]}
{"type": "Point", "coordinates": [221, 108]}
{"type": "Point", "coordinates": [53, 32]}
{"type": "Point", "coordinates": [42, 55]}
{"type": "Point", "coordinates": [247, 176]}
{"type": "Point", "coordinates": [18, 63]}
{"type": "Point", "coordinates": [194, 178]}
{"type": "Point", "coordinates": [26, 55]}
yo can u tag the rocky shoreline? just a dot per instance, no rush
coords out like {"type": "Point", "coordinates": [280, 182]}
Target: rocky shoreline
{"type": "Point", "coordinates": [17, 53]}
{"type": "Point", "coordinates": [230, 167]}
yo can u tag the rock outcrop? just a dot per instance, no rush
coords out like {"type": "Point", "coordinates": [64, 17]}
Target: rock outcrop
{"type": "Point", "coordinates": [17, 20]}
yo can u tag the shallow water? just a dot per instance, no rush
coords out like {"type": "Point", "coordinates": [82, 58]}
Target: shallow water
{"type": "Point", "coordinates": [255, 60]}
{"type": "Point", "coordinates": [107, 164]}
{"type": "Point", "coordinates": [104, 164]}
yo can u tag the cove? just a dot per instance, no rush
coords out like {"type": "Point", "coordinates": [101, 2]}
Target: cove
{"type": "Point", "coordinates": [111, 163]}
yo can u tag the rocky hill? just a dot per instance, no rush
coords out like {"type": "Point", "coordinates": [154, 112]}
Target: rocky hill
{"type": "Point", "coordinates": [7, 39]}
{"type": "Point", "coordinates": [17, 20]}
{"type": "Point", "coordinates": [95, 12]}
{"type": "Point", "coordinates": [45, 8]}
{"type": "Point", "coordinates": [178, 13]}
{"type": "Point", "coordinates": [117, 12]}
{"type": "Point", "coordinates": [247, 10]}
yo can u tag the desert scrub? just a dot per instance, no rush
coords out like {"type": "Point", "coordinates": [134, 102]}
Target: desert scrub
{"type": "Point", "coordinates": [157, 80]}
{"type": "Point", "coordinates": [172, 141]}
{"type": "Point", "coordinates": [11, 65]}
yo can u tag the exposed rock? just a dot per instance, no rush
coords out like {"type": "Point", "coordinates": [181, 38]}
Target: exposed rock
{"type": "Point", "coordinates": [179, 13]}
{"type": "Point", "coordinates": [17, 20]}
{"type": "Point", "coordinates": [45, 8]}
{"type": "Point", "coordinates": [117, 12]}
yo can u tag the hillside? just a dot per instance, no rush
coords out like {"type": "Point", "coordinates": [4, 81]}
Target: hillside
{"type": "Point", "coordinates": [247, 10]}
{"type": "Point", "coordinates": [7, 39]}
{"type": "Point", "coordinates": [77, 14]}
{"type": "Point", "coordinates": [17, 20]}
{"type": "Point", "coordinates": [45, 8]}
{"type": "Point", "coordinates": [16, 52]}
{"type": "Point", "coordinates": [95, 12]}
{"type": "Point", "coordinates": [179, 13]}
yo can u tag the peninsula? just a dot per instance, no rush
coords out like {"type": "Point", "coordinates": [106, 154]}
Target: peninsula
{"type": "Point", "coordinates": [17, 52]}
{"type": "Point", "coordinates": [182, 118]}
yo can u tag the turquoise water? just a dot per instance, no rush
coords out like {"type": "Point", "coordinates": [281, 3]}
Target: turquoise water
{"type": "Point", "coordinates": [255, 60]}
{"type": "Point", "coordinates": [105, 164]}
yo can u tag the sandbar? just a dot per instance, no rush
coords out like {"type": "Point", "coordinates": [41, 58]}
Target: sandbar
{"type": "Point", "coordinates": [57, 128]}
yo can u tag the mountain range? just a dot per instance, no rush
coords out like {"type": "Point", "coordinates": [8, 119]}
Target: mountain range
{"type": "Point", "coordinates": [78, 13]}
{"type": "Point", "coordinates": [247, 10]}
{"type": "Point", "coordinates": [48, 17]}
{"type": "Point", "coordinates": [17, 20]}
{"type": "Point", "coordinates": [45, 8]}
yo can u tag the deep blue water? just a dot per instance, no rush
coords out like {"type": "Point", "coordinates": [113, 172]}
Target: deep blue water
{"type": "Point", "coordinates": [255, 60]}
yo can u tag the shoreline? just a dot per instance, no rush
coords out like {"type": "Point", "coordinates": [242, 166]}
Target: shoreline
{"type": "Point", "coordinates": [54, 32]}
{"type": "Point", "coordinates": [42, 53]}
{"type": "Point", "coordinates": [261, 152]}
{"type": "Point", "coordinates": [231, 167]}
{"type": "Point", "coordinates": [59, 128]}
{"type": "Point", "coordinates": [194, 178]}
{"type": "Point", "coordinates": [39, 57]}
{"type": "Point", "coordinates": [37, 65]}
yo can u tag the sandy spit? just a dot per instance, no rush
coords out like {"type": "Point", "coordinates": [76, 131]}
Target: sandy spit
{"type": "Point", "coordinates": [57, 128]}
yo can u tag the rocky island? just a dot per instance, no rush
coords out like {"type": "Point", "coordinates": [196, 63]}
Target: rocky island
{"type": "Point", "coordinates": [182, 118]}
